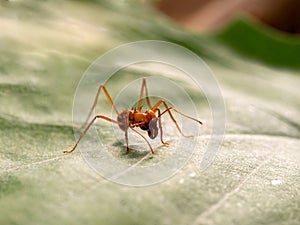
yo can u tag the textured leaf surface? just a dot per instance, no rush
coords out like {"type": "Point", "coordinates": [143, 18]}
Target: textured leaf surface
{"type": "Point", "coordinates": [254, 179]}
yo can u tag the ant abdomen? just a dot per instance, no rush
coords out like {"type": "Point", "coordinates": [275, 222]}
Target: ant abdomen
{"type": "Point", "coordinates": [123, 119]}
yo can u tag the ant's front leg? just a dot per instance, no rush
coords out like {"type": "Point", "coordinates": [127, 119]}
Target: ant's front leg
{"type": "Point", "coordinates": [160, 127]}
{"type": "Point", "coordinates": [151, 149]}
{"type": "Point", "coordinates": [169, 109]}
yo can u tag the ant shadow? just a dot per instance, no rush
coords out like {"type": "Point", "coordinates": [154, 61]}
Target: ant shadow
{"type": "Point", "coordinates": [134, 153]}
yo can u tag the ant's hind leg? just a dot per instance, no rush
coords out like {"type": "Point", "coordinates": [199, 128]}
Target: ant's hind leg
{"type": "Point", "coordinates": [88, 127]}
{"type": "Point", "coordinates": [144, 89]}
{"type": "Point", "coordinates": [101, 87]}
{"type": "Point", "coordinates": [126, 140]}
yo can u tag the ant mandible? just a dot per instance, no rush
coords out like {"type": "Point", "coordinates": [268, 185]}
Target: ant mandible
{"type": "Point", "coordinates": [147, 120]}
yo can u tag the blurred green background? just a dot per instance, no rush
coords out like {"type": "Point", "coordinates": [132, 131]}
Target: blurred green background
{"type": "Point", "coordinates": [45, 48]}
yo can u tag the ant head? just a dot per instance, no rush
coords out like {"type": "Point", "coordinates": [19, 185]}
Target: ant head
{"type": "Point", "coordinates": [153, 129]}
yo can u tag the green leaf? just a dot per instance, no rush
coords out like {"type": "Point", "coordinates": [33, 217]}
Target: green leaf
{"type": "Point", "coordinates": [254, 179]}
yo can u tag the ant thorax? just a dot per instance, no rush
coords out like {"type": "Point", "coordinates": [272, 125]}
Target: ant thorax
{"type": "Point", "coordinates": [141, 119]}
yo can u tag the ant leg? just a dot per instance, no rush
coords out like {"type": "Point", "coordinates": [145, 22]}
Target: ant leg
{"type": "Point", "coordinates": [96, 100]}
{"type": "Point", "coordinates": [144, 88]}
{"type": "Point", "coordinates": [168, 109]}
{"type": "Point", "coordinates": [126, 139]}
{"type": "Point", "coordinates": [160, 127]}
{"type": "Point", "coordinates": [152, 151]}
{"type": "Point", "coordinates": [88, 127]}
{"type": "Point", "coordinates": [176, 110]}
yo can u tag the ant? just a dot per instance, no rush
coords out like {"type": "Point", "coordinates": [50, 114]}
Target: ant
{"type": "Point", "coordinates": [145, 120]}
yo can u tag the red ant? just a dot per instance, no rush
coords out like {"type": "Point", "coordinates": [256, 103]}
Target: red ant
{"type": "Point", "coordinates": [146, 120]}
